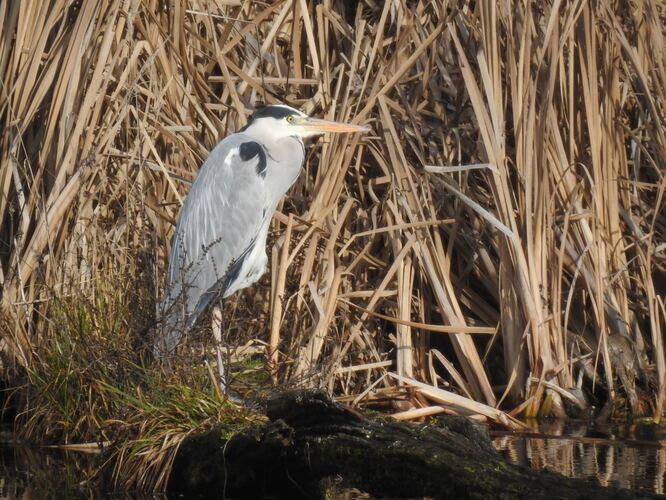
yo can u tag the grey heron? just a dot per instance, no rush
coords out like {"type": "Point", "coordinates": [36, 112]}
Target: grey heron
{"type": "Point", "coordinates": [219, 244]}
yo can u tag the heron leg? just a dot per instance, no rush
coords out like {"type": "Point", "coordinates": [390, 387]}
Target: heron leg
{"type": "Point", "coordinates": [217, 334]}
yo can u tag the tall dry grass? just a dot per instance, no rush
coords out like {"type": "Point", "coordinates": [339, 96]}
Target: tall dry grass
{"type": "Point", "coordinates": [534, 283]}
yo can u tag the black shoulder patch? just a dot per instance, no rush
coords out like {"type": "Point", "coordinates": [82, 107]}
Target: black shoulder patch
{"type": "Point", "coordinates": [249, 150]}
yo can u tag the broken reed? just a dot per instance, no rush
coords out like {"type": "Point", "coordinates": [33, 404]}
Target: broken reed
{"type": "Point", "coordinates": [508, 286]}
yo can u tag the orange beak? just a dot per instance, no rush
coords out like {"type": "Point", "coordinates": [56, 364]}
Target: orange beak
{"type": "Point", "coordinates": [316, 126]}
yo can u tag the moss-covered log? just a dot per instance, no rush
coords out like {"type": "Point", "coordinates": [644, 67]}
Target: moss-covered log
{"type": "Point", "coordinates": [312, 443]}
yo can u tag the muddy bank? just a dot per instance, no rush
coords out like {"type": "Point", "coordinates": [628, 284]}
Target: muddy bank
{"type": "Point", "coordinates": [312, 444]}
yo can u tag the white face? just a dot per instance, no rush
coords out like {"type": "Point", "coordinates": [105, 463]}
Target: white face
{"type": "Point", "coordinates": [280, 121]}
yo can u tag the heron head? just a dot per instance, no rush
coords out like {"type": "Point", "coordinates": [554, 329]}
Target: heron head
{"type": "Point", "coordinates": [280, 121]}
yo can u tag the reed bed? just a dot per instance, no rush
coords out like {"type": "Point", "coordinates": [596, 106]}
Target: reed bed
{"type": "Point", "coordinates": [495, 248]}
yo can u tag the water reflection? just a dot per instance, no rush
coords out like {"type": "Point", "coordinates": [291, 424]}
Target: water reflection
{"type": "Point", "coordinates": [627, 457]}
{"type": "Point", "coordinates": [33, 473]}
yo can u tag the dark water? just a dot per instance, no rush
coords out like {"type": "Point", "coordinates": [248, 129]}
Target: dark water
{"type": "Point", "coordinates": [35, 473]}
{"type": "Point", "coordinates": [623, 456]}
{"type": "Point", "coordinates": [627, 457]}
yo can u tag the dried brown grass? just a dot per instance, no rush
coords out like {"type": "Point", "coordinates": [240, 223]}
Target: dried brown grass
{"type": "Point", "coordinates": [512, 285]}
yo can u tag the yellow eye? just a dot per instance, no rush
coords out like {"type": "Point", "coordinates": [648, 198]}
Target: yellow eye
{"type": "Point", "coordinates": [290, 119]}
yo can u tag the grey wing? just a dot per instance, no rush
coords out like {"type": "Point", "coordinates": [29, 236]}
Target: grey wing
{"type": "Point", "coordinates": [219, 224]}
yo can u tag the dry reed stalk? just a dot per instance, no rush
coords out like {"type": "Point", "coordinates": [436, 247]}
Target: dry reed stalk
{"type": "Point", "coordinates": [555, 254]}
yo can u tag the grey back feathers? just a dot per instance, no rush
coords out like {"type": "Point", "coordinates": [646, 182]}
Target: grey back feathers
{"type": "Point", "coordinates": [220, 239]}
